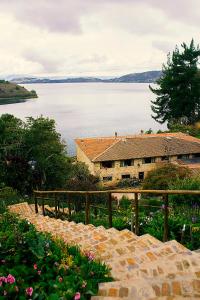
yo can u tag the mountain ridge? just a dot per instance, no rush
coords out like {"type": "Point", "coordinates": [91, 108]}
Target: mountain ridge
{"type": "Point", "coordinates": [143, 77]}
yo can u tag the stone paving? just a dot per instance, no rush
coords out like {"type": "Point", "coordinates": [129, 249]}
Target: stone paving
{"type": "Point", "coordinates": [143, 267]}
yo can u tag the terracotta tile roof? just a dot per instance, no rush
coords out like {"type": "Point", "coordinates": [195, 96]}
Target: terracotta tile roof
{"type": "Point", "coordinates": [138, 146]}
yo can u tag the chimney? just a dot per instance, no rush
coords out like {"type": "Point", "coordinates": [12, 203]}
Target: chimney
{"type": "Point", "coordinates": [115, 134]}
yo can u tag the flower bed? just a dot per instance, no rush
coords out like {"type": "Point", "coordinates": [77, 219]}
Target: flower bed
{"type": "Point", "coordinates": [33, 265]}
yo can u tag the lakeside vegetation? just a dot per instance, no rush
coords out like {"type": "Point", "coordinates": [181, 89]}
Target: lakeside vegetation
{"type": "Point", "coordinates": [12, 93]}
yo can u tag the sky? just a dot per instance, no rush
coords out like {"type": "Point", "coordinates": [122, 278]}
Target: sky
{"type": "Point", "coordinates": [92, 37]}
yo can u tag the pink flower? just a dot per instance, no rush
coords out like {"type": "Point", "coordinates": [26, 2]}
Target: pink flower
{"type": "Point", "coordinates": [77, 296]}
{"type": "Point", "coordinates": [90, 255]}
{"type": "Point", "coordinates": [10, 279]}
{"type": "Point", "coordinates": [60, 279]}
{"type": "Point", "coordinates": [39, 272]}
{"type": "Point", "coordinates": [35, 266]}
{"type": "Point", "coordinates": [3, 279]}
{"type": "Point", "coordinates": [29, 291]}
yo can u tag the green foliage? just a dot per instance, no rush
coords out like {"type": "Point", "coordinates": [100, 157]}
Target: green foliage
{"type": "Point", "coordinates": [128, 183]}
{"type": "Point", "coordinates": [48, 267]}
{"type": "Point", "coordinates": [163, 176]}
{"type": "Point", "coordinates": [190, 183]}
{"type": "Point", "coordinates": [8, 196]}
{"type": "Point", "coordinates": [32, 154]}
{"type": "Point", "coordinates": [188, 129]}
{"type": "Point", "coordinates": [178, 95]}
{"type": "Point", "coordinates": [181, 227]}
{"type": "Point", "coordinates": [81, 178]}
{"type": "Point", "coordinates": [13, 93]}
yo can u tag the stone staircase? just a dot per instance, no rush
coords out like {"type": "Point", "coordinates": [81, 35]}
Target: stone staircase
{"type": "Point", "coordinates": [142, 266]}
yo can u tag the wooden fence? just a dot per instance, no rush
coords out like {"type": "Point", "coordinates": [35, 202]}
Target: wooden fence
{"type": "Point", "coordinates": [56, 195]}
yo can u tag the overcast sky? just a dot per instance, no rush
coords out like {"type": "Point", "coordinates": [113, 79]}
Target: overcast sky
{"type": "Point", "coordinates": [92, 37]}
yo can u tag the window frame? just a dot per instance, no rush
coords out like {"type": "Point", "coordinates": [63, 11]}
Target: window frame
{"type": "Point", "coordinates": [106, 180]}
{"type": "Point", "coordinates": [105, 162]}
{"type": "Point", "coordinates": [152, 160]}
{"type": "Point", "coordinates": [123, 165]}
{"type": "Point", "coordinates": [127, 176]}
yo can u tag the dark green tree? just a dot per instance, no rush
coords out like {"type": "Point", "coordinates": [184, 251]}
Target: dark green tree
{"type": "Point", "coordinates": [32, 154]}
{"type": "Point", "coordinates": [178, 94]}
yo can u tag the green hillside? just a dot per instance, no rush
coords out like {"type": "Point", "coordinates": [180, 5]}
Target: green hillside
{"type": "Point", "coordinates": [13, 93]}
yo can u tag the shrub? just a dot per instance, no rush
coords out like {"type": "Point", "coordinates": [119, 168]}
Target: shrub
{"type": "Point", "coordinates": [33, 265]}
{"type": "Point", "coordinates": [8, 196]}
{"type": "Point", "coordinates": [164, 175]}
{"type": "Point", "coordinates": [129, 182]}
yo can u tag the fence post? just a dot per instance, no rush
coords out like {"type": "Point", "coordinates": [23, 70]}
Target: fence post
{"type": "Point", "coordinates": [87, 209]}
{"type": "Point", "coordinates": [136, 214]}
{"type": "Point", "coordinates": [43, 210]}
{"type": "Point", "coordinates": [132, 214]}
{"type": "Point", "coordinates": [166, 215]}
{"type": "Point", "coordinates": [69, 206]}
{"type": "Point", "coordinates": [56, 210]}
{"type": "Point", "coordinates": [36, 203]}
{"type": "Point", "coordinates": [110, 209]}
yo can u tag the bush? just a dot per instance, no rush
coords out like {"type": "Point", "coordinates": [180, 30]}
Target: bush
{"type": "Point", "coordinates": [8, 196]}
{"type": "Point", "coordinates": [163, 176]}
{"type": "Point", "coordinates": [33, 265]}
{"type": "Point", "coordinates": [129, 182]}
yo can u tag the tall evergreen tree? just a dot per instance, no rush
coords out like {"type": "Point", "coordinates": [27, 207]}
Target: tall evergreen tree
{"type": "Point", "coordinates": [178, 94]}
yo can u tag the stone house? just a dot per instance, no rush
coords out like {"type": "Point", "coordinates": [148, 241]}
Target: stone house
{"type": "Point", "coordinates": [119, 157]}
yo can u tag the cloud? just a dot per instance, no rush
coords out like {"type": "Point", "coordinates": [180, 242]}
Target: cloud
{"type": "Point", "coordinates": [49, 63]}
{"type": "Point", "coordinates": [66, 15]}
{"type": "Point", "coordinates": [92, 37]}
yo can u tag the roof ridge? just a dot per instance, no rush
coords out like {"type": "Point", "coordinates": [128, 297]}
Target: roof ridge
{"type": "Point", "coordinates": [162, 134]}
{"type": "Point", "coordinates": [117, 140]}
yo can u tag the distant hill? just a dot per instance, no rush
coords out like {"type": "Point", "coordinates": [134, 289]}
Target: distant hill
{"type": "Point", "coordinates": [145, 77]}
{"type": "Point", "coordinates": [13, 93]}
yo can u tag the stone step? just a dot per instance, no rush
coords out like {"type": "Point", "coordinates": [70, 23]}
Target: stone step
{"type": "Point", "coordinates": [107, 298]}
{"type": "Point", "coordinates": [145, 268]}
{"type": "Point", "coordinates": [154, 262]}
{"type": "Point", "coordinates": [187, 285]}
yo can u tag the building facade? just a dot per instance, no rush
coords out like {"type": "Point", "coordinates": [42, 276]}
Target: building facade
{"type": "Point", "coordinates": [116, 158]}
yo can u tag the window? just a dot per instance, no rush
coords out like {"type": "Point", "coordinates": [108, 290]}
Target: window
{"type": "Point", "coordinates": [107, 178]}
{"type": "Point", "coordinates": [126, 176]}
{"type": "Point", "coordinates": [126, 163]}
{"type": "Point", "coordinates": [107, 164]}
{"type": "Point", "coordinates": [197, 155]}
{"type": "Point", "coordinates": [148, 160]}
{"type": "Point", "coordinates": [141, 175]}
{"type": "Point", "coordinates": [165, 158]}
{"type": "Point", "coordinates": [183, 156]}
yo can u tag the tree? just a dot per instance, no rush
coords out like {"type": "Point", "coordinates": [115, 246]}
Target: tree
{"type": "Point", "coordinates": [81, 179]}
{"type": "Point", "coordinates": [178, 95]}
{"type": "Point", "coordinates": [163, 176]}
{"type": "Point", "coordinates": [32, 154]}
{"type": "Point", "coordinates": [46, 153]}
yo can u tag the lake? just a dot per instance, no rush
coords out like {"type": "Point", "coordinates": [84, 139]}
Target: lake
{"type": "Point", "coordinates": [90, 109]}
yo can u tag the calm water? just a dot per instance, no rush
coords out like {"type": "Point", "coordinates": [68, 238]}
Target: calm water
{"type": "Point", "coordinates": [90, 109]}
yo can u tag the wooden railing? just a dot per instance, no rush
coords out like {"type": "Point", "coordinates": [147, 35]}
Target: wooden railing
{"type": "Point", "coordinates": [55, 195]}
